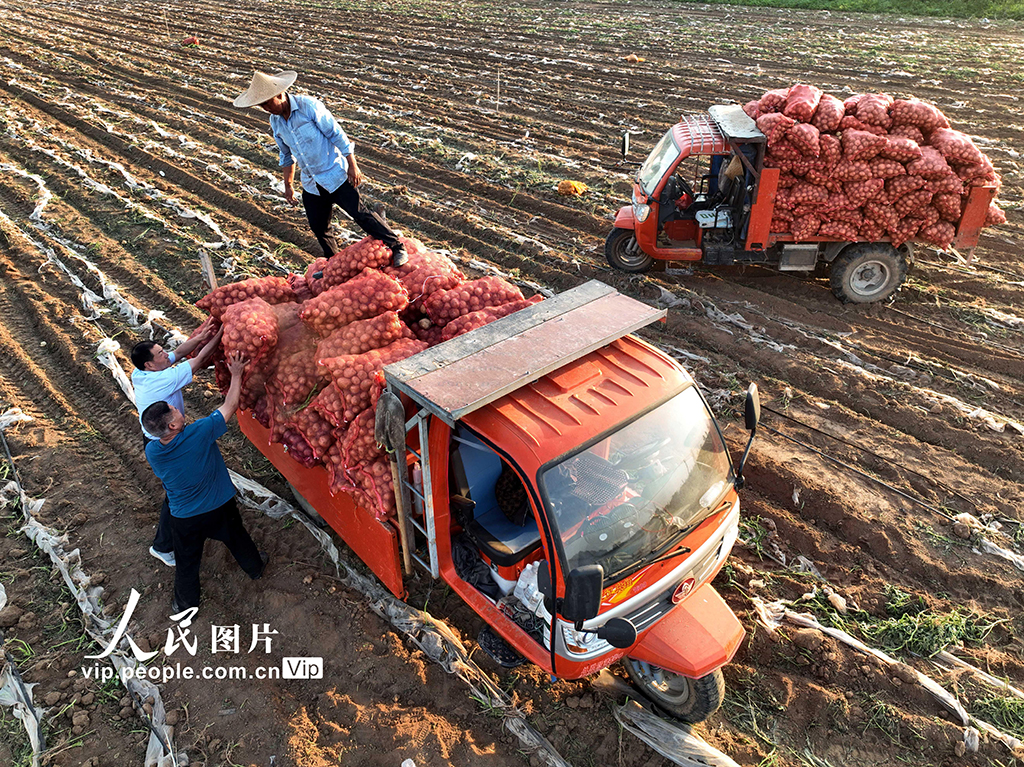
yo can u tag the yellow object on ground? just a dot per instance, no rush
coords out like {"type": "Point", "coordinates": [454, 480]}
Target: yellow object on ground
{"type": "Point", "coordinates": [572, 188]}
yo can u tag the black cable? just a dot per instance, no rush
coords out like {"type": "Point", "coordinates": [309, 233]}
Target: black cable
{"type": "Point", "coordinates": [871, 453]}
{"type": "Point", "coordinates": [867, 476]}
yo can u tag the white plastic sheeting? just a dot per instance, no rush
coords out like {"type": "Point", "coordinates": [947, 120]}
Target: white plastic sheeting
{"type": "Point", "coordinates": [675, 742]}
{"type": "Point", "coordinates": [772, 614]}
{"type": "Point", "coordinates": [159, 749]}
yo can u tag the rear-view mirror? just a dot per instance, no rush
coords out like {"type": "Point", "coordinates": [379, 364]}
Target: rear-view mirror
{"type": "Point", "coordinates": [583, 593]}
{"type": "Point", "coordinates": [618, 632]}
{"type": "Point", "coordinates": [752, 409]}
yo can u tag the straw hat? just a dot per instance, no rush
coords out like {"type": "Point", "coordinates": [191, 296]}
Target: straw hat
{"type": "Point", "coordinates": [264, 87]}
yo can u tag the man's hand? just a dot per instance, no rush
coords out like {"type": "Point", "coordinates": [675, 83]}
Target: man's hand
{"type": "Point", "coordinates": [289, 194]}
{"type": "Point", "coordinates": [206, 331]}
{"type": "Point", "coordinates": [355, 176]}
{"type": "Point", "coordinates": [236, 364]}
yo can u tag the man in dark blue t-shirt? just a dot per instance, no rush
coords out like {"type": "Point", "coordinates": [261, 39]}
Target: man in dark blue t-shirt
{"type": "Point", "coordinates": [187, 460]}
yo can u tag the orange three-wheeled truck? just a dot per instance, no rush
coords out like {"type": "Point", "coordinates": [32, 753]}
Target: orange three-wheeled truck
{"type": "Point", "coordinates": [568, 481]}
{"type": "Point", "coordinates": [698, 211]}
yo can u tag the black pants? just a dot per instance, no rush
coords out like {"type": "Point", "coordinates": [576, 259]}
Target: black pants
{"type": "Point", "coordinates": [223, 524]}
{"type": "Point", "coordinates": [162, 540]}
{"type": "Point", "coordinates": [320, 206]}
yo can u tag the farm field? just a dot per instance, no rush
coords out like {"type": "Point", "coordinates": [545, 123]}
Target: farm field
{"type": "Point", "coordinates": [121, 158]}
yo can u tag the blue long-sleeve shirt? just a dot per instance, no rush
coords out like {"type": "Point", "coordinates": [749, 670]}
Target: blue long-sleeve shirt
{"type": "Point", "coordinates": [312, 137]}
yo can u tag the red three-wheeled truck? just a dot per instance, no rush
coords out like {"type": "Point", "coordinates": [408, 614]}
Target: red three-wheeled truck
{"type": "Point", "coordinates": [704, 195]}
{"type": "Point", "coordinates": [570, 483]}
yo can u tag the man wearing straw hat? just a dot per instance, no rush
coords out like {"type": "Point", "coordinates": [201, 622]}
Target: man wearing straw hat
{"type": "Point", "coordinates": [305, 131]}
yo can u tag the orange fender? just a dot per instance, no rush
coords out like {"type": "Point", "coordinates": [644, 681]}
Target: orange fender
{"type": "Point", "coordinates": [695, 638]}
{"type": "Point", "coordinates": [624, 218]}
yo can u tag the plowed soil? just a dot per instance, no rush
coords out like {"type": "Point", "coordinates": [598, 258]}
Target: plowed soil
{"type": "Point", "coordinates": [466, 117]}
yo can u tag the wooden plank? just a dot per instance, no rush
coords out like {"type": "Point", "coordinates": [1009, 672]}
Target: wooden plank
{"type": "Point", "coordinates": [474, 380]}
{"type": "Point", "coordinates": [495, 332]}
{"type": "Point", "coordinates": [211, 276]}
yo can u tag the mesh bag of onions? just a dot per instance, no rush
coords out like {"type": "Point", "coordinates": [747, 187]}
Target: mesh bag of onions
{"type": "Point", "coordinates": [443, 306]}
{"type": "Point", "coordinates": [369, 294]}
{"type": "Point", "coordinates": [347, 263]}
{"type": "Point", "coordinates": [273, 290]}
{"type": "Point", "coordinates": [871, 155]}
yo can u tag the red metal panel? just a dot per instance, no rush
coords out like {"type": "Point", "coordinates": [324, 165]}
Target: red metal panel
{"type": "Point", "coordinates": [698, 135]}
{"type": "Point", "coordinates": [376, 543]}
{"type": "Point", "coordinates": [973, 219]}
{"type": "Point", "coordinates": [696, 637]}
{"type": "Point", "coordinates": [761, 212]}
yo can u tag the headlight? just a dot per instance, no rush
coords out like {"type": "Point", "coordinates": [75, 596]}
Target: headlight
{"type": "Point", "coordinates": [641, 212]}
{"type": "Point", "coordinates": [581, 642]}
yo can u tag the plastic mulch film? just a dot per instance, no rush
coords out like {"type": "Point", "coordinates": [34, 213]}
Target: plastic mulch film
{"type": "Point", "coordinates": [675, 742]}
{"type": "Point", "coordinates": [994, 682]}
{"type": "Point", "coordinates": [772, 614]}
{"type": "Point", "coordinates": [17, 695]}
{"type": "Point", "coordinates": [159, 750]}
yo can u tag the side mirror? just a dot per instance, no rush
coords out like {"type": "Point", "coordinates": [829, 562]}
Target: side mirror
{"type": "Point", "coordinates": [618, 632]}
{"type": "Point", "coordinates": [752, 409]}
{"type": "Point", "coordinates": [751, 416]}
{"type": "Point", "coordinates": [583, 593]}
{"type": "Point", "coordinates": [625, 145]}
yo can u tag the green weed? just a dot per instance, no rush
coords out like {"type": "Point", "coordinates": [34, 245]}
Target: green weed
{"type": "Point", "coordinates": [976, 9]}
{"type": "Point", "coordinates": [1005, 713]}
{"type": "Point", "coordinates": [754, 535]}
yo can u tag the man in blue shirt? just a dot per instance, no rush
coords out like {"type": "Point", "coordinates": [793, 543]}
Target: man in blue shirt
{"type": "Point", "coordinates": [186, 458]}
{"type": "Point", "coordinates": [306, 132]}
{"type": "Point", "coordinates": [158, 376]}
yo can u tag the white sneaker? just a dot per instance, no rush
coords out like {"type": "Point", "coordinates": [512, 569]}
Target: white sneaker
{"type": "Point", "coordinates": [166, 557]}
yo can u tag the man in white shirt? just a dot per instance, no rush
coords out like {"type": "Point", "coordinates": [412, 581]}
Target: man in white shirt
{"type": "Point", "coordinates": [159, 377]}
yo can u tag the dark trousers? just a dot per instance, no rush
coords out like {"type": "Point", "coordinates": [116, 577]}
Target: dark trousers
{"type": "Point", "coordinates": [320, 206]}
{"type": "Point", "coordinates": [223, 524]}
{"type": "Point", "coordinates": [162, 540]}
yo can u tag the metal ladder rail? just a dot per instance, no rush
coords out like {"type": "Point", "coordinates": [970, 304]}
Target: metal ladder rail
{"type": "Point", "coordinates": [424, 500]}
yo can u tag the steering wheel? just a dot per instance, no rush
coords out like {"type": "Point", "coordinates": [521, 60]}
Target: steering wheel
{"type": "Point", "coordinates": [597, 529]}
{"type": "Point", "coordinates": [675, 188]}
{"type": "Point", "coordinates": [641, 454]}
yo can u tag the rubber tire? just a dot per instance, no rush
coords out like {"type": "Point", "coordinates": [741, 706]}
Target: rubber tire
{"type": "Point", "coordinates": [704, 695]}
{"type": "Point", "coordinates": [856, 262]}
{"type": "Point", "coordinates": [616, 251]}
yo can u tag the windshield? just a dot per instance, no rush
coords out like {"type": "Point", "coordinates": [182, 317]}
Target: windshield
{"type": "Point", "coordinates": [634, 493]}
{"type": "Point", "coordinates": [657, 163]}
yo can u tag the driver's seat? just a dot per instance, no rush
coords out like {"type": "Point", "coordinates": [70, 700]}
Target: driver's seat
{"type": "Point", "coordinates": [473, 475]}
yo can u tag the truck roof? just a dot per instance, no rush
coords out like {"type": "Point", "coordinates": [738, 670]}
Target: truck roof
{"type": "Point", "coordinates": [457, 377]}
{"type": "Point", "coordinates": [571, 407]}
{"type": "Point", "coordinates": [716, 131]}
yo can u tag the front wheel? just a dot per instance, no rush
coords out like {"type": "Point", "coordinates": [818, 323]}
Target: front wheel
{"type": "Point", "coordinates": [623, 252]}
{"type": "Point", "coordinates": [689, 700]}
{"type": "Point", "coordinates": [867, 272]}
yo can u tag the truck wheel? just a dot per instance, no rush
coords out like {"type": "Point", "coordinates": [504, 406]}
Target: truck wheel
{"type": "Point", "coordinates": [689, 700]}
{"type": "Point", "coordinates": [867, 272]}
{"type": "Point", "coordinates": [623, 253]}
